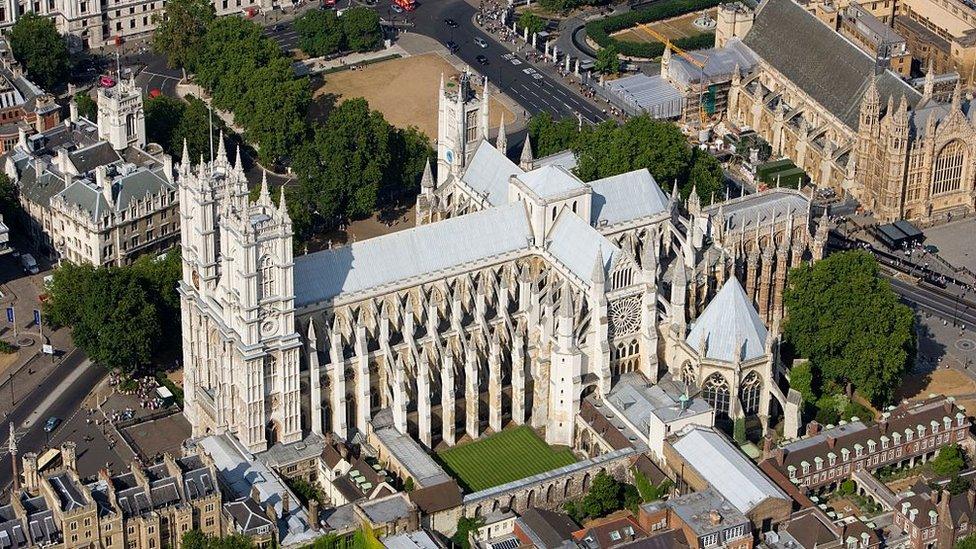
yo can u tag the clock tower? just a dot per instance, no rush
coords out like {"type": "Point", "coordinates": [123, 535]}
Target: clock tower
{"type": "Point", "coordinates": [462, 122]}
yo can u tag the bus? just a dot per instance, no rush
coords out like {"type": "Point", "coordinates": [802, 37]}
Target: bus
{"type": "Point", "coordinates": [48, 459]}
{"type": "Point", "coordinates": [408, 5]}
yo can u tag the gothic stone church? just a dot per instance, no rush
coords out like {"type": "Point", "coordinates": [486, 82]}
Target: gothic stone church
{"type": "Point", "coordinates": [521, 290]}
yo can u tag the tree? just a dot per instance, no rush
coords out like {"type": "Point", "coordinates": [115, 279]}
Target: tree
{"type": "Point", "coordinates": [739, 430]}
{"type": "Point", "coordinates": [464, 526]}
{"type": "Point", "coordinates": [195, 539]}
{"type": "Point", "coordinates": [87, 107]}
{"type": "Point", "coordinates": [968, 542]}
{"type": "Point", "coordinates": [608, 60]}
{"type": "Point", "coordinates": [275, 117]}
{"type": "Point", "coordinates": [320, 33]}
{"type": "Point", "coordinates": [847, 487]}
{"type": "Point", "coordinates": [801, 379]}
{"type": "Point", "coordinates": [233, 48]}
{"type": "Point", "coordinates": [115, 313]}
{"type": "Point", "coordinates": [949, 461]}
{"type": "Point", "coordinates": [180, 32]}
{"type": "Point", "coordinates": [36, 44]}
{"type": "Point", "coordinates": [549, 136]}
{"type": "Point", "coordinates": [958, 485]}
{"type": "Point", "coordinates": [850, 324]}
{"type": "Point", "coordinates": [163, 116]}
{"type": "Point", "coordinates": [408, 485]}
{"type": "Point", "coordinates": [532, 22]}
{"type": "Point", "coordinates": [361, 27]}
{"type": "Point", "coordinates": [706, 176]}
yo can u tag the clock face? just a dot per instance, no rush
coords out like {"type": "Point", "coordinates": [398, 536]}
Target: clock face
{"type": "Point", "coordinates": [449, 156]}
{"type": "Point", "coordinates": [268, 327]}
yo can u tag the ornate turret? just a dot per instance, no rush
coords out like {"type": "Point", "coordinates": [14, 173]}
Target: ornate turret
{"type": "Point", "coordinates": [501, 142]}
{"type": "Point", "coordinates": [526, 161]}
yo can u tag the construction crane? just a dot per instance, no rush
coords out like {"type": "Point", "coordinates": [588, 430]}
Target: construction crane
{"type": "Point", "coordinates": [703, 116]}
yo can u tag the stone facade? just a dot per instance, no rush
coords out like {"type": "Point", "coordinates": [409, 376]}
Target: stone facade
{"type": "Point", "coordinates": [97, 193]}
{"type": "Point", "coordinates": [900, 152]}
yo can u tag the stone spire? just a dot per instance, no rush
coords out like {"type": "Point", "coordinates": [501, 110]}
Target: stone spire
{"type": "Point", "coordinates": [598, 276]}
{"type": "Point", "coordinates": [526, 162]}
{"type": "Point", "coordinates": [565, 328]}
{"type": "Point", "coordinates": [185, 158]}
{"type": "Point", "coordinates": [221, 149]}
{"type": "Point", "coordinates": [957, 96]}
{"type": "Point", "coordinates": [283, 206]}
{"type": "Point", "coordinates": [238, 162]}
{"type": "Point", "coordinates": [427, 180]}
{"type": "Point", "coordinates": [501, 142]}
{"type": "Point", "coordinates": [265, 196]}
{"type": "Point", "coordinates": [484, 108]}
{"type": "Point", "coordinates": [12, 449]}
{"type": "Point", "coordinates": [929, 88]}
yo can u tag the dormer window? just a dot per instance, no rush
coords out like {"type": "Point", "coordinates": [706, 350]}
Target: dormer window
{"type": "Point", "coordinates": [858, 450]}
{"type": "Point", "coordinates": [818, 461]}
{"type": "Point", "coordinates": [921, 431]}
{"type": "Point", "coordinates": [896, 438]}
{"type": "Point", "coordinates": [792, 470]}
{"type": "Point", "coordinates": [872, 445]}
{"type": "Point", "coordinates": [908, 435]}
{"type": "Point", "coordinates": [960, 418]}
{"type": "Point", "coordinates": [935, 426]}
{"type": "Point", "coordinates": [947, 423]}
{"type": "Point", "coordinates": [832, 458]}
{"type": "Point", "coordinates": [845, 454]}
{"type": "Point", "coordinates": [805, 466]}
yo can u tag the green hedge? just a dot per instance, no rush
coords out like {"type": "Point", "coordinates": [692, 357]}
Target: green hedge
{"type": "Point", "coordinates": [601, 30]}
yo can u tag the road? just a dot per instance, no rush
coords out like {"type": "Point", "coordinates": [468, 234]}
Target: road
{"type": "Point", "coordinates": [61, 396]}
{"type": "Point", "coordinates": [534, 93]}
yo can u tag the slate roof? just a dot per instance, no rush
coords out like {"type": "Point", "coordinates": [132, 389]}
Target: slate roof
{"type": "Point", "coordinates": [729, 327]}
{"type": "Point", "coordinates": [421, 251]}
{"type": "Point", "coordinates": [764, 207]}
{"type": "Point", "coordinates": [548, 529]}
{"type": "Point", "coordinates": [68, 492]}
{"type": "Point", "coordinates": [625, 197]}
{"type": "Point", "coordinates": [829, 68]}
{"type": "Point", "coordinates": [248, 515]}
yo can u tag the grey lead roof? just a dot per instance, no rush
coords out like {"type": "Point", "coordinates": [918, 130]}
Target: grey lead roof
{"type": "Point", "coordinates": [626, 197]}
{"type": "Point", "coordinates": [420, 251]}
{"type": "Point", "coordinates": [729, 326]}
{"type": "Point", "coordinates": [725, 468]}
{"type": "Point", "coordinates": [552, 180]}
{"type": "Point", "coordinates": [488, 173]}
{"type": "Point", "coordinates": [576, 244]}
{"type": "Point", "coordinates": [829, 68]}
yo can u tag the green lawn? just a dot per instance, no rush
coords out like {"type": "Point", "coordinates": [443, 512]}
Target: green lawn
{"type": "Point", "coordinates": [503, 457]}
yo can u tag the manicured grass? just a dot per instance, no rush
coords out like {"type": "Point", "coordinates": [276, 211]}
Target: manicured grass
{"type": "Point", "coordinates": [503, 457]}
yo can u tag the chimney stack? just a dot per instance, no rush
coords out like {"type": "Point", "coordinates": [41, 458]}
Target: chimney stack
{"type": "Point", "coordinates": [813, 428]}
{"type": "Point", "coordinates": [73, 110]}
{"type": "Point", "coordinates": [105, 184]}
{"type": "Point", "coordinates": [313, 514]}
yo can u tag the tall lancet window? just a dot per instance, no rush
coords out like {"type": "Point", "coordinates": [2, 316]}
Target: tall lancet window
{"type": "Point", "coordinates": [947, 174]}
{"type": "Point", "coordinates": [266, 278]}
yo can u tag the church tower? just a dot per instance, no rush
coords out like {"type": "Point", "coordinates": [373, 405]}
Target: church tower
{"type": "Point", "coordinates": [565, 374]}
{"type": "Point", "coordinates": [121, 120]}
{"type": "Point", "coordinates": [240, 347]}
{"type": "Point", "coordinates": [462, 122]}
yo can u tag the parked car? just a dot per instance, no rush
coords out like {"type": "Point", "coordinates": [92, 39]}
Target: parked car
{"type": "Point", "coordinates": [29, 264]}
{"type": "Point", "coordinates": [451, 23]}
{"type": "Point", "coordinates": [452, 46]}
{"type": "Point", "coordinates": [482, 60]}
{"type": "Point", "coordinates": [51, 424]}
{"type": "Point", "coordinates": [396, 8]}
{"type": "Point", "coordinates": [481, 42]}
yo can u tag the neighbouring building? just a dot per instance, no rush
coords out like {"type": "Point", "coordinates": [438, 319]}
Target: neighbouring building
{"type": "Point", "coordinates": [22, 103]}
{"type": "Point", "coordinates": [145, 507]}
{"type": "Point", "coordinates": [911, 433]}
{"type": "Point", "coordinates": [850, 124]}
{"type": "Point", "coordinates": [89, 24]}
{"type": "Point", "coordinates": [97, 193]}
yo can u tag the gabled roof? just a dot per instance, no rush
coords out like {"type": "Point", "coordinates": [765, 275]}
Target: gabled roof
{"type": "Point", "coordinates": [726, 469]}
{"type": "Point", "coordinates": [625, 197]}
{"type": "Point", "coordinates": [421, 251]}
{"type": "Point", "coordinates": [729, 326]}
{"type": "Point", "coordinates": [576, 244]}
{"type": "Point", "coordinates": [488, 173]}
{"type": "Point", "coordinates": [552, 180]}
{"type": "Point", "coordinates": [826, 66]}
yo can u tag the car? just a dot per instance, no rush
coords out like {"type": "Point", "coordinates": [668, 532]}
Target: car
{"type": "Point", "coordinates": [29, 264]}
{"type": "Point", "coordinates": [452, 46]}
{"type": "Point", "coordinates": [931, 249]}
{"type": "Point", "coordinates": [51, 424]}
{"type": "Point", "coordinates": [481, 42]}
{"type": "Point", "coordinates": [482, 60]}
{"type": "Point", "coordinates": [396, 8]}
{"type": "Point", "coordinates": [451, 23]}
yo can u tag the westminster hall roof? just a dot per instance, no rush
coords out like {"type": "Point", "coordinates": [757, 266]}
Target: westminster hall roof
{"type": "Point", "coordinates": [826, 66]}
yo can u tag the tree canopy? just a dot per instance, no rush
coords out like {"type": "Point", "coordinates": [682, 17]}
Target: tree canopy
{"type": "Point", "coordinates": [355, 159]}
{"type": "Point", "coordinates": [195, 539]}
{"type": "Point", "coordinates": [180, 31]}
{"type": "Point", "coordinates": [949, 461]}
{"type": "Point", "coordinates": [36, 44]}
{"type": "Point", "coordinates": [87, 107]}
{"type": "Point", "coordinates": [850, 324]}
{"type": "Point", "coordinates": [532, 22]}
{"type": "Point", "coordinates": [610, 148]}
{"type": "Point", "coordinates": [605, 496]}
{"type": "Point", "coordinates": [608, 60]}
{"type": "Point", "coordinates": [169, 121]}
{"type": "Point", "coordinates": [322, 32]}
{"type": "Point", "coordinates": [117, 313]}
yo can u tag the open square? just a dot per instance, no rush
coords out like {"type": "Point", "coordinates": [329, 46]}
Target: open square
{"type": "Point", "coordinates": [682, 26]}
{"type": "Point", "coordinates": [510, 455]}
{"type": "Point", "coordinates": [402, 89]}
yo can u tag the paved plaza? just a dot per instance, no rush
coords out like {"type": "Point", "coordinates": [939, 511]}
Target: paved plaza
{"type": "Point", "coordinates": [955, 242]}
